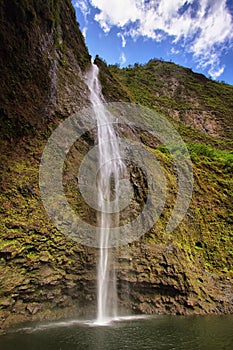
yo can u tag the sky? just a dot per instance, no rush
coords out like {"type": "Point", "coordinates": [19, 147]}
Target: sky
{"type": "Point", "coordinates": [193, 33]}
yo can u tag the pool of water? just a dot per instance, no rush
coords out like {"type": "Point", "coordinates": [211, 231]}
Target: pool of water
{"type": "Point", "coordinates": [136, 333]}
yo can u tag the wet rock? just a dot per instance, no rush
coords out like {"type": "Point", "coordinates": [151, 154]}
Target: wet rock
{"type": "Point", "coordinates": [6, 302]}
{"type": "Point", "coordinates": [33, 308]}
{"type": "Point", "coordinates": [45, 258]}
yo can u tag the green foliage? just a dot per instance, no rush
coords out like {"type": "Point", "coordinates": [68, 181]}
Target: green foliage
{"type": "Point", "coordinates": [223, 158]}
{"type": "Point", "coordinates": [175, 90]}
{"type": "Point", "coordinates": [28, 239]}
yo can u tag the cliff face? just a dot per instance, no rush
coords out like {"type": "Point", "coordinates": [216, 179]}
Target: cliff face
{"type": "Point", "coordinates": [44, 274]}
{"type": "Point", "coordinates": [41, 64]}
{"type": "Point", "coordinates": [181, 94]}
{"type": "Point", "coordinates": [43, 60]}
{"type": "Point", "coordinates": [189, 271]}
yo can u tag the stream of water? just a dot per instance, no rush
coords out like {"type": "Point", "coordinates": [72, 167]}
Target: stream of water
{"type": "Point", "coordinates": [110, 168]}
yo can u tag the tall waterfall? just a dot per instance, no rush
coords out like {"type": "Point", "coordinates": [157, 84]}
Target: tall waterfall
{"type": "Point", "coordinates": [110, 168]}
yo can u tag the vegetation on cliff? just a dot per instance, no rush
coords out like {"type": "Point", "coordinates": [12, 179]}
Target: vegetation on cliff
{"type": "Point", "coordinates": [36, 49]}
{"type": "Point", "coordinates": [43, 59]}
{"type": "Point", "coordinates": [178, 92]}
{"type": "Point", "coordinates": [43, 273]}
{"type": "Point", "coordinates": [202, 112]}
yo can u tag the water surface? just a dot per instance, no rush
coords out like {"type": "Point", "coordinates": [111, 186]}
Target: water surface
{"type": "Point", "coordinates": [160, 333]}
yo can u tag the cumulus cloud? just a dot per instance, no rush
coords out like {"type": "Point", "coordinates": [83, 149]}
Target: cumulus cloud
{"type": "Point", "coordinates": [216, 72]}
{"type": "Point", "coordinates": [84, 31]}
{"type": "Point", "coordinates": [202, 26]}
{"type": "Point", "coordinates": [84, 7]}
{"type": "Point", "coordinates": [174, 51]}
{"type": "Point", "coordinates": [122, 58]}
{"type": "Point", "coordinates": [120, 35]}
{"type": "Point", "coordinates": [116, 12]}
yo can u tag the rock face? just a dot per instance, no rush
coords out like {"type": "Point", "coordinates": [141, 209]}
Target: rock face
{"type": "Point", "coordinates": [44, 275]}
{"type": "Point", "coordinates": [43, 60]}
{"type": "Point", "coordinates": [180, 94]}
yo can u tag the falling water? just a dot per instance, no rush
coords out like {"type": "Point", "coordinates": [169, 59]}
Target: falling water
{"type": "Point", "coordinates": [110, 168]}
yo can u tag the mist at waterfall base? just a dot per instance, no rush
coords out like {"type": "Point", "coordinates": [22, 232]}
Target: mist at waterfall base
{"type": "Point", "coordinates": [159, 332]}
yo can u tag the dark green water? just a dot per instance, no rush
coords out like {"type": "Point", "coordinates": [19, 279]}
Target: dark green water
{"type": "Point", "coordinates": [160, 333]}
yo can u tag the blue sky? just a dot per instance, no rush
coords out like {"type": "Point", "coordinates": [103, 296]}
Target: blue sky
{"type": "Point", "coordinates": [193, 33]}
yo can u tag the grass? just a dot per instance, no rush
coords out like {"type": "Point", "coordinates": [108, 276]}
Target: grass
{"type": "Point", "coordinates": [28, 239]}
{"type": "Point", "coordinates": [223, 158]}
{"type": "Point", "coordinates": [168, 87]}
{"type": "Point", "coordinates": [206, 231]}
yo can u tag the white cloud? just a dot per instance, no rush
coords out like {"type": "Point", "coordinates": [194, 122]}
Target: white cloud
{"type": "Point", "coordinates": [174, 51]}
{"type": "Point", "coordinates": [84, 7]}
{"type": "Point", "coordinates": [202, 26]}
{"type": "Point", "coordinates": [120, 35]}
{"type": "Point", "coordinates": [122, 58]}
{"type": "Point", "coordinates": [212, 61]}
{"type": "Point", "coordinates": [216, 72]}
{"type": "Point", "coordinates": [117, 13]}
{"type": "Point", "coordinates": [84, 31]}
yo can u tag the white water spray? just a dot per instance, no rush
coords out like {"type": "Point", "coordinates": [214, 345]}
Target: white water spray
{"type": "Point", "coordinates": [110, 169]}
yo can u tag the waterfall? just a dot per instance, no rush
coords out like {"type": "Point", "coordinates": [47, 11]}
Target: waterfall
{"type": "Point", "coordinates": [110, 168]}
